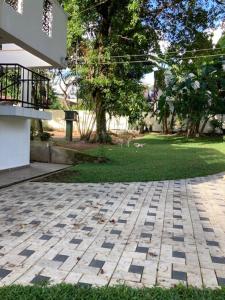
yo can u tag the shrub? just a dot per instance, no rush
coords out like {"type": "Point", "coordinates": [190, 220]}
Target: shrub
{"type": "Point", "coordinates": [216, 124]}
{"type": "Point", "coordinates": [45, 136]}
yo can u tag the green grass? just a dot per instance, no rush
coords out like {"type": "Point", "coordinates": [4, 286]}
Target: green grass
{"type": "Point", "coordinates": [70, 292]}
{"type": "Point", "coordinates": [162, 158]}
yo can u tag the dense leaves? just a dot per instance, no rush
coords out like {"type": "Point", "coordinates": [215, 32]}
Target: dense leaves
{"type": "Point", "coordinates": [192, 89]}
{"type": "Point", "coordinates": [107, 40]}
{"type": "Point", "coordinates": [99, 34]}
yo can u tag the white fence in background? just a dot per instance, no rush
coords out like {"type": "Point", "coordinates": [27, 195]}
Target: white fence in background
{"type": "Point", "coordinates": [114, 124]}
{"type": "Point", "coordinates": [58, 121]}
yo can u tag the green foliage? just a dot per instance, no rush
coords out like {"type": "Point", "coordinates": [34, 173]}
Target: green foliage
{"type": "Point", "coordinates": [221, 42]}
{"type": "Point", "coordinates": [45, 136]}
{"type": "Point", "coordinates": [193, 89]}
{"type": "Point", "coordinates": [216, 124]}
{"type": "Point", "coordinates": [106, 37]}
{"type": "Point", "coordinates": [100, 34]}
{"type": "Point", "coordinates": [199, 94]}
{"type": "Point", "coordinates": [164, 111]}
{"type": "Point", "coordinates": [192, 83]}
{"type": "Point", "coordinates": [56, 104]}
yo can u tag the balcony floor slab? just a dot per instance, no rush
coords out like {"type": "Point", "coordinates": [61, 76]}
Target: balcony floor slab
{"type": "Point", "coordinates": [23, 112]}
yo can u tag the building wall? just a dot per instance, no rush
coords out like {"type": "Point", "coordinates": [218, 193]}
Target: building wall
{"type": "Point", "coordinates": [12, 53]}
{"type": "Point", "coordinates": [14, 142]}
{"type": "Point", "coordinates": [25, 30]}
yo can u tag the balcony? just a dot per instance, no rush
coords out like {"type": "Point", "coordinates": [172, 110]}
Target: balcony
{"type": "Point", "coordinates": [37, 28]}
{"type": "Point", "coordinates": [23, 87]}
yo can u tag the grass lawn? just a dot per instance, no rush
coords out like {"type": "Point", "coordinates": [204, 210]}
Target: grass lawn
{"type": "Point", "coordinates": [161, 158]}
{"type": "Point", "coordinates": [69, 292]}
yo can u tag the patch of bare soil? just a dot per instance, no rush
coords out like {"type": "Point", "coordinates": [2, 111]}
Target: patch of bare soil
{"type": "Point", "coordinates": [124, 138]}
{"type": "Point", "coordinates": [76, 145]}
{"type": "Point", "coordinates": [61, 134]}
{"type": "Point", "coordinates": [58, 138]}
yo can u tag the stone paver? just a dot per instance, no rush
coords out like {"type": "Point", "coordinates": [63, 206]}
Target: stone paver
{"type": "Point", "coordinates": [140, 234]}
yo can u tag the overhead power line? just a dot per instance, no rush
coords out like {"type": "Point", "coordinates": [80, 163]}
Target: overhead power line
{"type": "Point", "coordinates": [149, 61]}
{"type": "Point", "coordinates": [201, 56]}
{"type": "Point", "coordinates": [117, 62]}
{"type": "Point", "coordinates": [163, 57]}
{"type": "Point", "coordinates": [170, 52]}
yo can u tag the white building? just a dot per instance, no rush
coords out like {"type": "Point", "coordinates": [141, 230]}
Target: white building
{"type": "Point", "coordinates": [32, 34]}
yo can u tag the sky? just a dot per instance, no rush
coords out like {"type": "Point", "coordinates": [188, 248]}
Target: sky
{"type": "Point", "coordinates": [148, 79]}
{"type": "Point", "coordinates": [217, 35]}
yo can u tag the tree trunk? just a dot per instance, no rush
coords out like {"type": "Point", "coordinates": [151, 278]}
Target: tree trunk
{"type": "Point", "coordinates": [192, 129]}
{"type": "Point", "coordinates": [187, 129]}
{"type": "Point", "coordinates": [106, 13]}
{"type": "Point", "coordinates": [65, 102]}
{"type": "Point", "coordinates": [197, 127]}
{"type": "Point", "coordinates": [172, 121]}
{"type": "Point", "coordinates": [101, 128]}
{"type": "Point", "coordinates": [204, 124]}
{"type": "Point", "coordinates": [165, 121]}
{"type": "Point", "coordinates": [40, 127]}
{"type": "Point", "coordinates": [166, 126]}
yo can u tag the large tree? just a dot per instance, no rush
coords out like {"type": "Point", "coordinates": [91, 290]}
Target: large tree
{"type": "Point", "coordinates": [111, 37]}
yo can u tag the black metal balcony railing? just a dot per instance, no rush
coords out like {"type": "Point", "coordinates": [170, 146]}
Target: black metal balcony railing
{"type": "Point", "coordinates": [23, 87]}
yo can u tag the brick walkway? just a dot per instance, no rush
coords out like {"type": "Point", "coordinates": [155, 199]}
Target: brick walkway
{"type": "Point", "coordinates": [140, 234]}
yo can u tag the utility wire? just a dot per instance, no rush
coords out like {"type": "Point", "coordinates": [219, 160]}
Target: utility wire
{"type": "Point", "coordinates": [200, 56]}
{"type": "Point", "coordinates": [117, 62]}
{"type": "Point", "coordinates": [165, 56]}
{"type": "Point", "coordinates": [148, 61]}
{"type": "Point", "coordinates": [148, 55]}
{"type": "Point", "coordinates": [170, 52]}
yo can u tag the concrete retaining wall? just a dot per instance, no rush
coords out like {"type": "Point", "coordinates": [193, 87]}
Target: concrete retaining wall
{"type": "Point", "coordinates": [47, 153]}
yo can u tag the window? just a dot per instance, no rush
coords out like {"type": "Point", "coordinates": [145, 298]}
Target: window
{"type": "Point", "coordinates": [16, 4]}
{"type": "Point", "coordinates": [47, 17]}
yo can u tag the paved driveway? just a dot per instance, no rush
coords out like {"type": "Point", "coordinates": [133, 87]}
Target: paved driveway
{"type": "Point", "coordinates": [140, 234]}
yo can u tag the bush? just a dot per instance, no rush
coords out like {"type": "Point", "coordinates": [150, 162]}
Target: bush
{"type": "Point", "coordinates": [45, 136]}
{"type": "Point", "coordinates": [216, 124]}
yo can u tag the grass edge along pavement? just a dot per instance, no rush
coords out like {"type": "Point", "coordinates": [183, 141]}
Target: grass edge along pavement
{"type": "Point", "coordinates": [70, 292]}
